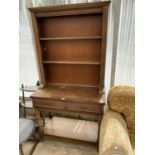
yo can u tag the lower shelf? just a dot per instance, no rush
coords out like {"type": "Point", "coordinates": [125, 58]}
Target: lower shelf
{"type": "Point", "coordinates": [72, 128]}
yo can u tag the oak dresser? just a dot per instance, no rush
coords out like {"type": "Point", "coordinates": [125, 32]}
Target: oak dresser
{"type": "Point", "coordinates": [70, 45]}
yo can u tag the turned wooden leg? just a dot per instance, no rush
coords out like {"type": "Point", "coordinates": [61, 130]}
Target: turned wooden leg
{"type": "Point", "coordinates": [38, 122]}
{"type": "Point", "coordinates": [43, 119]}
{"type": "Point", "coordinates": [21, 149]}
{"type": "Point", "coordinates": [50, 115]}
{"type": "Point", "coordinates": [99, 125]}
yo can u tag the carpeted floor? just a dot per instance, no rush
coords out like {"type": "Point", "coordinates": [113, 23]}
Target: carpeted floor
{"type": "Point", "coordinates": [60, 147]}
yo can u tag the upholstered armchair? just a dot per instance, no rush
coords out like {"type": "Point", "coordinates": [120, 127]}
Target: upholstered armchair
{"type": "Point", "coordinates": [117, 132]}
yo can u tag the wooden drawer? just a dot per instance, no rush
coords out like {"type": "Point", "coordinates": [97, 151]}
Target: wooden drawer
{"type": "Point", "coordinates": [85, 107]}
{"type": "Point", "coordinates": [49, 104]}
{"type": "Point", "coordinates": [69, 106]}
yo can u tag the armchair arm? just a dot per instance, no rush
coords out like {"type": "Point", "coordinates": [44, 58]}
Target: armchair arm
{"type": "Point", "coordinates": [114, 139]}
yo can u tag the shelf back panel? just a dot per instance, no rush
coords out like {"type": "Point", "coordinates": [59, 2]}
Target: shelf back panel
{"type": "Point", "coordinates": [72, 50]}
{"type": "Point", "coordinates": [72, 74]}
{"type": "Point", "coordinates": [70, 26]}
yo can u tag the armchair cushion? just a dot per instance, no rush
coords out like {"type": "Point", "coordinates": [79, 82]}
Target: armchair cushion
{"type": "Point", "coordinates": [114, 139]}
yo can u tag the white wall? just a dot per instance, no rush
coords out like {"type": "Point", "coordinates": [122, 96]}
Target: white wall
{"type": "Point", "coordinates": [125, 64]}
{"type": "Point", "coordinates": [120, 59]}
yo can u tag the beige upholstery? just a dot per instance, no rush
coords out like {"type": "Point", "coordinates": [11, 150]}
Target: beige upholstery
{"type": "Point", "coordinates": [117, 131]}
{"type": "Point", "coordinates": [122, 99]}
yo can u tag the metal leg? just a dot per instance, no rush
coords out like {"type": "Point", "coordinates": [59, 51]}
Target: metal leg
{"type": "Point", "coordinates": [36, 143]}
{"type": "Point", "coordinates": [23, 97]}
{"type": "Point", "coordinates": [32, 150]}
{"type": "Point", "coordinates": [21, 149]}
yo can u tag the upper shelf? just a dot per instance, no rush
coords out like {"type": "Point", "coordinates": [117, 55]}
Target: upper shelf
{"type": "Point", "coordinates": [72, 62]}
{"type": "Point", "coordinates": [72, 38]}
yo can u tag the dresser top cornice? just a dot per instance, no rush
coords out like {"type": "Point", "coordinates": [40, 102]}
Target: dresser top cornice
{"type": "Point", "coordinates": [70, 6]}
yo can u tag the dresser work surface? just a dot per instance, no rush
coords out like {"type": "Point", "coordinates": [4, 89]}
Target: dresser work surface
{"type": "Point", "coordinates": [70, 93]}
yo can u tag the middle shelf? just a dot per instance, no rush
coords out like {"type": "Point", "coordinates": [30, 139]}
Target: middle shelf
{"type": "Point", "coordinates": [71, 62]}
{"type": "Point", "coordinates": [72, 38]}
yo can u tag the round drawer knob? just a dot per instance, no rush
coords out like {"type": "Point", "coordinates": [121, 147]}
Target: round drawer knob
{"type": "Point", "coordinates": [63, 98]}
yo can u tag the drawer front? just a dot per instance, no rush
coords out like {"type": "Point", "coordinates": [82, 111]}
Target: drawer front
{"type": "Point", "coordinates": [49, 104]}
{"type": "Point", "coordinates": [85, 107]}
{"type": "Point", "coordinates": [69, 106]}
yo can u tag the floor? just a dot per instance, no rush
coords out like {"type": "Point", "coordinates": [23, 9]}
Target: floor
{"type": "Point", "coordinates": [53, 146]}
{"type": "Point", "coordinates": [66, 127]}
{"type": "Point", "coordinates": [72, 128]}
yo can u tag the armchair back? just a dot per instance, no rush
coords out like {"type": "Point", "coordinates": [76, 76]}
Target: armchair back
{"type": "Point", "coordinates": [122, 99]}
